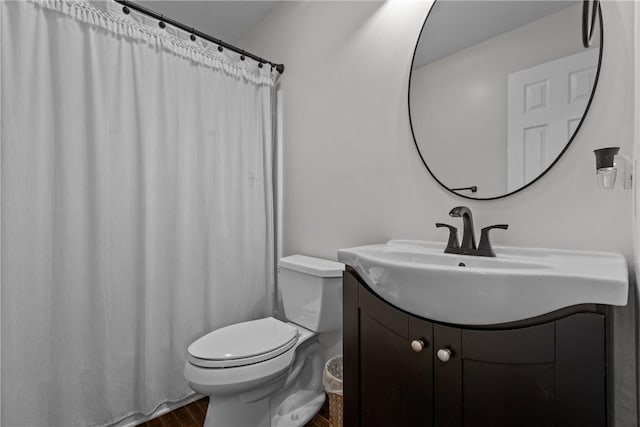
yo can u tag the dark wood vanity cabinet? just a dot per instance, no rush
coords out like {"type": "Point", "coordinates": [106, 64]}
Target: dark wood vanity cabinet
{"type": "Point", "coordinates": [538, 373]}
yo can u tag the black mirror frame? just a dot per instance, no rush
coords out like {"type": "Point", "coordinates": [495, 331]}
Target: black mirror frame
{"type": "Point", "coordinates": [586, 111]}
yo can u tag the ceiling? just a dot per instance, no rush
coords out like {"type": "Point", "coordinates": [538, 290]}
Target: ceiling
{"type": "Point", "coordinates": [456, 25]}
{"type": "Point", "coordinates": [225, 20]}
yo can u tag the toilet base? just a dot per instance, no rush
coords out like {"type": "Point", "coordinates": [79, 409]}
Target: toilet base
{"type": "Point", "coordinates": [231, 412]}
{"type": "Point", "coordinates": [293, 413]}
{"type": "Point", "coordinates": [291, 401]}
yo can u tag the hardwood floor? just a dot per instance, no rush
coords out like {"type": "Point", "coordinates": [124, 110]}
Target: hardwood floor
{"type": "Point", "coordinates": [322, 418]}
{"type": "Point", "coordinates": [193, 415]}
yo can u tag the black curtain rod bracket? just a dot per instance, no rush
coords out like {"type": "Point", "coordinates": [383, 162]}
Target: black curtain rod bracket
{"type": "Point", "coordinates": [163, 20]}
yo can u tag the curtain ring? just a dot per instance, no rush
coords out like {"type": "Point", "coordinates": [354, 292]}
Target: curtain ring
{"type": "Point", "coordinates": [161, 23]}
{"type": "Point", "coordinates": [242, 56]}
{"type": "Point", "coordinates": [125, 10]}
{"type": "Point", "coordinates": [193, 36]}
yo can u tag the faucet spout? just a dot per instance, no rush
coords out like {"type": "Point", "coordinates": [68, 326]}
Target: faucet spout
{"type": "Point", "coordinates": [468, 234]}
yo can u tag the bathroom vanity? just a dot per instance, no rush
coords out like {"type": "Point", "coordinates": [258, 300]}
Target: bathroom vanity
{"type": "Point", "coordinates": [457, 334]}
{"type": "Point", "coordinates": [546, 371]}
{"type": "Point", "coordinates": [446, 340]}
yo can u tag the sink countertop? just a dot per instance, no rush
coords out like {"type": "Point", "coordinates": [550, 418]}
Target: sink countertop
{"type": "Point", "coordinates": [519, 283]}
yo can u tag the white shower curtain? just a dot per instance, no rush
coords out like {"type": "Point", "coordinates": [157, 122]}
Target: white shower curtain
{"type": "Point", "coordinates": [136, 208]}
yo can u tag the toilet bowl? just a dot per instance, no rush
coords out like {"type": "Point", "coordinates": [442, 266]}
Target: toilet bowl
{"type": "Point", "coordinates": [267, 372]}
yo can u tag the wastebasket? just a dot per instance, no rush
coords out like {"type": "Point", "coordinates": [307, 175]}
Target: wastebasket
{"type": "Point", "coordinates": [332, 381]}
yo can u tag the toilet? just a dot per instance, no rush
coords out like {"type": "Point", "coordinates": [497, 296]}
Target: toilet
{"type": "Point", "coordinates": [268, 372]}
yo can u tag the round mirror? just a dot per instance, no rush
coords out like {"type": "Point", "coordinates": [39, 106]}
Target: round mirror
{"type": "Point", "coordinates": [498, 90]}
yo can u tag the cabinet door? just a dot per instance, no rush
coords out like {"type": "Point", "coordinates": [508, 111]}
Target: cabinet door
{"type": "Point", "coordinates": [546, 375]}
{"type": "Point", "coordinates": [447, 377]}
{"type": "Point", "coordinates": [420, 381]}
{"type": "Point", "coordinates": [395, 380]}
{"type": "Point", "coordinates": [581, 386]}
{"type": "Point", "coordinates": [508, 377]}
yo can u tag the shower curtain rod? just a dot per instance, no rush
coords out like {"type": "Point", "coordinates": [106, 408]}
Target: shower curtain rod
{"type": "Point", "coordinates": [221, 44]}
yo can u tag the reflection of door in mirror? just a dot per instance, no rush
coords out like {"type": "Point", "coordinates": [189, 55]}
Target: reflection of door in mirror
{"type": "Point", "coordinates": [546, 103]}
{"type": "Point", "coordinates": [470, 127]}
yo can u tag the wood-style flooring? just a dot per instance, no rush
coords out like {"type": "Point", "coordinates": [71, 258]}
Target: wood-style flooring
{"type": "Point", "coordinates": [192, 415]}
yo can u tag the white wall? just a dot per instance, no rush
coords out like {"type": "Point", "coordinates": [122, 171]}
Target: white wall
{"type": "Point", "coordinates": [352, 176]}
{"type": "Point", "coordinates": [470, 87]}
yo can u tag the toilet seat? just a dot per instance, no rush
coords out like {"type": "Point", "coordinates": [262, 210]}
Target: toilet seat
{"type": "Point", "coordinates": [243, 344]}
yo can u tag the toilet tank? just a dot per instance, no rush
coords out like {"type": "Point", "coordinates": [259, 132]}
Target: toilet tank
{"type": "Point", "coordinates": [312, 292]}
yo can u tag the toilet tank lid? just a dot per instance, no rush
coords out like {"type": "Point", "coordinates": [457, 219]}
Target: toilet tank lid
{"type": "Point", "coordinates": [313, 266]}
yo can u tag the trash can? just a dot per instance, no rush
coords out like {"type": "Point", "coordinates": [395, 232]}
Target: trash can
{"type": "Point", "coordinates": [332, 381]}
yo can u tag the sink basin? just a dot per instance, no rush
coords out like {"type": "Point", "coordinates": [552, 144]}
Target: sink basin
{"type": "Point", "coordinates": [518, 284]}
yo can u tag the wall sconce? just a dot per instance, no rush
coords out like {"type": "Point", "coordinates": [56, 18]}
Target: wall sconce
{"type": "Point", "coordinates": [608, 164]}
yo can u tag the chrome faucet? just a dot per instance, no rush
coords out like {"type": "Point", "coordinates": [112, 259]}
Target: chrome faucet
{"type": "Point", "coordinates": [468, 246]}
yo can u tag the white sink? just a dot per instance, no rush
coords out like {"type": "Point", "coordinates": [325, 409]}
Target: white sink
{"type": "Point", "coordinates": [519, 283]}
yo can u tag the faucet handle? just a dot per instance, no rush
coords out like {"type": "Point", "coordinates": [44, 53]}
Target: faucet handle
{"type": "Point", "coordinates": [484, 248]}
{"type": "Point", "coordinates": [453, 237]}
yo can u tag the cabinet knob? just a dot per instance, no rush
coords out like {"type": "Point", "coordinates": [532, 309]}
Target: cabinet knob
{"type": "Point", "coordinates": [417, 345]}
{"type": "Point", "coordinates": [444, 354]}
